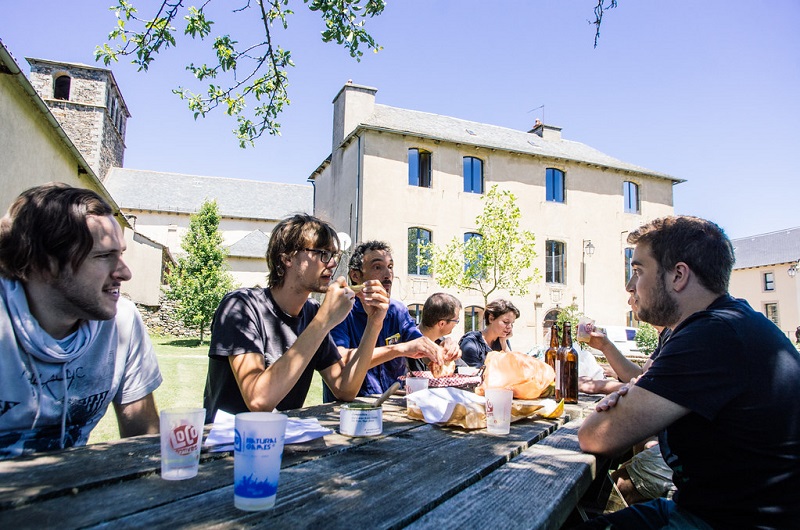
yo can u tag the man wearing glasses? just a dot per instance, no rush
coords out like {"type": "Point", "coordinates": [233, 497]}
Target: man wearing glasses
{"type": "Point", "coordinates": [266, 343]}
{"type": "Point", "coordinates": [399, 337]}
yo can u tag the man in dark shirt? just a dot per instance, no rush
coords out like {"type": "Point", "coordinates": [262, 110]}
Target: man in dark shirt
{"type": "Point", "coordinates": [722, 394]}
{"type": "Point", "coordinates": [266, 343]}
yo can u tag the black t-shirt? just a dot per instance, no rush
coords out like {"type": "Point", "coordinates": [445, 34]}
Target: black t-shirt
{"type": "Point", "coordinates": [736, 455]}
{"type": "Point", "coordinates": [249, 321]}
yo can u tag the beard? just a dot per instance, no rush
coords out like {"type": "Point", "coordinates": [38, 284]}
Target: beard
{"type": "Point", "coordinates": [87, 302]}
{"type": "Point", "coordinates": [661, 309]}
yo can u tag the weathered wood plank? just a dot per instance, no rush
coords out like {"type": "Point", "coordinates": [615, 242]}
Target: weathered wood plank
{"type": "Point", "coordinates": [384, 484]}
{"type": "Point", "coordinates": [538, 489]}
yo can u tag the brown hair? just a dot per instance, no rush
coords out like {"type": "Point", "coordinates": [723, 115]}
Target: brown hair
{"type": "Point", "coordinates": [699, 243]}
{"type": "Point", "coordinates": [439, 306]}
{"type": "Point", "coordinates": [45, 229]}
{"type": "Point", "coordinates": [293, 234]}
{"type": "Point", "coordinates": [497, 308]}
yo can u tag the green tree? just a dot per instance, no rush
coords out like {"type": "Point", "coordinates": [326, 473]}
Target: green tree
{"type": "Point", "coordinates": [200, 279]}
{"type": "Point", "coordinates": [500, 257]}
{"type": "Point", "coordinates": [646, 338]}
{"type": "Point", "coordinates": [250, 79]}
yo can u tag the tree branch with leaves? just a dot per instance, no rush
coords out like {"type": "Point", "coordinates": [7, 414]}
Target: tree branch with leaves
{"type": "Point", "coordinates": [500, 256]}
{"type": "Point", "coordinates": [249, 81]}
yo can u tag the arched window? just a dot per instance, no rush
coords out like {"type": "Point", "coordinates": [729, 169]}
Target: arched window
{"type": "Point", "coordinates": [473, 174]}
{"type": "Point", "coordinates": [415, 310]}
{"type": "Point", "coordinates": [61, 89]}
{"type": "Point", "coordinates": [550, 318]}
{"type": "Point", "coordinates": [473, 318]}
{"type": "Point", "coordinates": [418, 238]}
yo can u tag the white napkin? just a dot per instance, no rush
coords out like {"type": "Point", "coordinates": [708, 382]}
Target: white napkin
{"type": "Point", "coordinates": [437, 404]}
{"type": "Point", "coordinates": [298, 430]}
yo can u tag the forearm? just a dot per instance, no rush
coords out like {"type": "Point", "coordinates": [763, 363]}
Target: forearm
{"type": "Point", "coordinates": [599, 386]}
{"type": "Point", "coordinates": [262, 388]}
{"type": "Point", "coordinates": [622, 366]}
{"type": "Point", "coordinates": [139, 417]}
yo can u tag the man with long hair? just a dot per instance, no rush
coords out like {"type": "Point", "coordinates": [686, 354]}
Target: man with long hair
{"type": "Point", "coordinates": [69, 344]}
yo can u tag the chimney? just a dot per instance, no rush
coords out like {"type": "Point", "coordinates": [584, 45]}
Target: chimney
{"type": "Point", "coordinates": [351, 106]}
{"type": "Point", "coordinates": [547, 132]}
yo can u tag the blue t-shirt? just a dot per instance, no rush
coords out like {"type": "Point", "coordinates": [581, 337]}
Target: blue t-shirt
{"type": "Point", "coordinates": [736, 455]}
{"type": "Point", "coordinates": [398, 326]}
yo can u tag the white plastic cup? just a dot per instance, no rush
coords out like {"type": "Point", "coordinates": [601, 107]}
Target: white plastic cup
{"type": "Point", "coordinates": [181, 438]}
{"type": "Point", "coordinates": [257, 454]}
{"type": "Point", "coordinates": [498, 410]}
{"type": "Point", "coordinates": [413, 384]}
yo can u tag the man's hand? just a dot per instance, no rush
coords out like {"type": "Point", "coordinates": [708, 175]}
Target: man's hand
{"type": "Point", "coordinates": [374, 298]}
{"type": "Point", "coordinates": [451, 350]}
{"type": "Point", "coordinates": [610, 401]}
{"type": "Point", "coordinates": [337, 304]}
{"type": "Point", "coordinates": [421, 347]}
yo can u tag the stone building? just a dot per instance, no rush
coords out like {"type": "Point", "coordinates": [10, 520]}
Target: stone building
{"type": "Point", "coordinates": [408, 177]}
{"type": "Point", "coordinates": [89, 105]}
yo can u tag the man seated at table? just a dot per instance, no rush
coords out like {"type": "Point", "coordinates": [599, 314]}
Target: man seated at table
{"type": "Point", "coordinates": [719, 393]}
{"type": "Point", "coordinates": [266, 343]}
{"type": "Point", "coordinates": [399, 337]}
{"type": "Point", "coordinates": [440, 314]}
{"type": "Point", "coordinates": [69, 345]}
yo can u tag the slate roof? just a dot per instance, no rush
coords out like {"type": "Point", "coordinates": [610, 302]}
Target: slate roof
{"type": "Point", "coordinates": [446, 128]}
{"type": "Point", "coordinates": [773, 248]}
{"type": "Point", "coordinates": [253, 245]}
{"type": "Point", "coordinates": [136, 189]}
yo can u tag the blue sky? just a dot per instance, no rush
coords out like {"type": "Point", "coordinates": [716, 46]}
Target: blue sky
{"type": "Point", "coordinates": [704, 91]}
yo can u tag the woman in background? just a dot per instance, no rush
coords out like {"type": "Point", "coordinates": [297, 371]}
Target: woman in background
{"type": "Point", "coordinates": [498, 319]}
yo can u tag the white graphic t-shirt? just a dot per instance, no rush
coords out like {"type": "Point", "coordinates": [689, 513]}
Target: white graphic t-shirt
{"type": "Point", "coordinates": [53, 393]}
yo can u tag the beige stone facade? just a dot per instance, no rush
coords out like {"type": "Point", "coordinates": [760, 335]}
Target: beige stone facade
{"type": "Point", "coordinates": [766, 275]}
{"type": "Point", "coordinates": [363, 188]}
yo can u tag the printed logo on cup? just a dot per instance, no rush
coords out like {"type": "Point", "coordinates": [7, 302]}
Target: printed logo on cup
{"type": "Point", "coordinates": [489, 407]}
{"type": "Point", "coordinates": [184, 439]}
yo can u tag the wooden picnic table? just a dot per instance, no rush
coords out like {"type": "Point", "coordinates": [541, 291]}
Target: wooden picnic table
{"type": "Point", "coordinates": [413, 475]}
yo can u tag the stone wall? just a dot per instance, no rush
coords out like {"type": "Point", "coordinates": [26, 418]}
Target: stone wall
{"type": "Point", "coordinates": [160, 320]}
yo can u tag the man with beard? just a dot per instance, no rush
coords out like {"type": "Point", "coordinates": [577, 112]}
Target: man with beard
{"type": "Point", "coordinates": [69, 345]}
{"type": "Point", "coordinates": [266, 343]}
{"type": "Point", "coordinates": [718, 395]}
{"type": "Point", "coordinates": [399, 337]}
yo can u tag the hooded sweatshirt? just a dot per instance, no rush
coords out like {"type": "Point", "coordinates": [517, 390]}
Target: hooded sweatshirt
{"type": "Point", "coordinates": [53, 392]}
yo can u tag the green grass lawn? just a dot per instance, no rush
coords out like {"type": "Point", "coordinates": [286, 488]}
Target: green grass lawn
{"type": "Point", "coordinates": [183, 364]}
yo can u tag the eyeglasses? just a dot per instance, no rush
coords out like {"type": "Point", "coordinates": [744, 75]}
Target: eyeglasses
{"type": "Point", "coordinates": [325, 256]}
{"type": "Point", "coordinates": [454, 320]}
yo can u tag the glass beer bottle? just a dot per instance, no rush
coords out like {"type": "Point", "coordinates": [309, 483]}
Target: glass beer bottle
{"type": "Point", "coordinates": [568, 368]}
{"type": "Point", "coordinates": [552, 353]}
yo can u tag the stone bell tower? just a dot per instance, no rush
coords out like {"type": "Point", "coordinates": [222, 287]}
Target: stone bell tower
{"type": "Point", "coordinates": [88, 104]}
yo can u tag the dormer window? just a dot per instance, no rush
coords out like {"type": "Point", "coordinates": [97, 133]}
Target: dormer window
{"type": "Point", "coordinates": [61, 89]}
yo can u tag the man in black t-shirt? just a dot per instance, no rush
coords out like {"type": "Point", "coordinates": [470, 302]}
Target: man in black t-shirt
{"type": "Point", "coordinates": [721, 395]}
{"type": "Point", "coordinates": [266, 343]}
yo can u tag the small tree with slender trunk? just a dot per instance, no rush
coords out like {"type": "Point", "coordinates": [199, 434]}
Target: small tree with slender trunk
{"type": "Point", "coordinates": [201, 277]}
{"type": "Point", "coordinates": [499, 256]}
